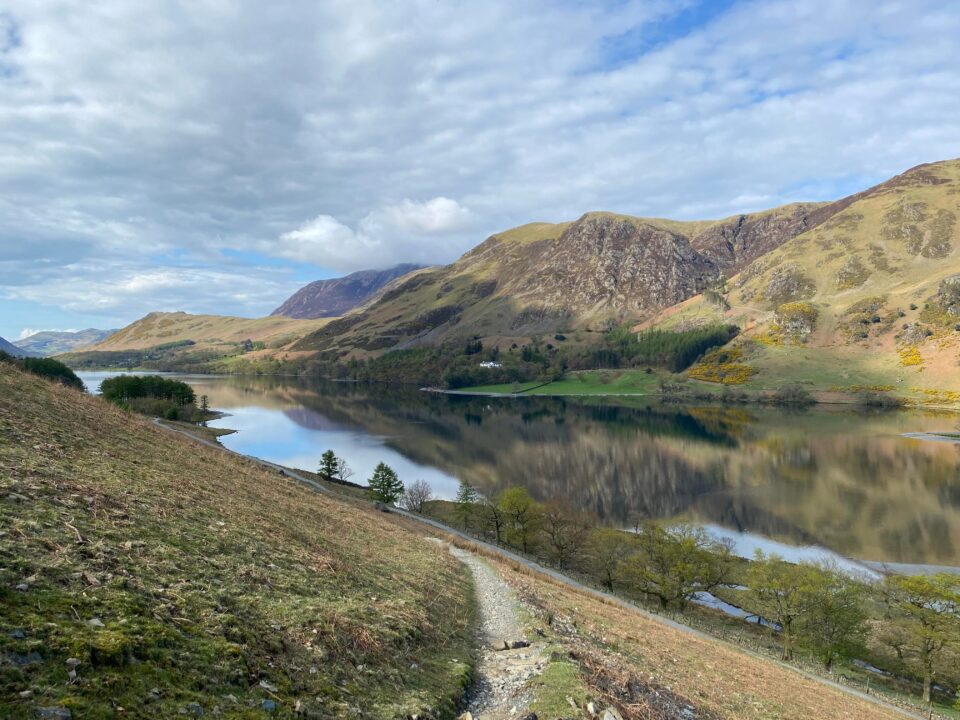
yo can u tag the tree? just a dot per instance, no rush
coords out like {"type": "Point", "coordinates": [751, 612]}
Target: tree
{"type": "Point", "coordinates": [467, 497]}
{"type": "Point", "coordinates": [344, 471]}
{"type": "Point", "coordinates": [385, 486]}
{"type": "Point", "coordinates": [522, 515]}
{"type": "Point", "coordinates": [835, 625]}
{"type": "Point", "coordinates": [494, 517]}
{"type": "Point", "coordinates": [328, 465]}
{"type": "Point", "coordinates": [784, 593]}
{"type": "Point", "coordinates": [674, 564]}
{"type": "Point", "coordinates": [565, 529]}
{"type": "Point", "coordinates": [605, 549]}
{"type": "Point", "coordinates": [927, 609]}
{"type": "Point", "coordinates": [417, 495]}
{"type": "Point", "coordinates": [204, 409]}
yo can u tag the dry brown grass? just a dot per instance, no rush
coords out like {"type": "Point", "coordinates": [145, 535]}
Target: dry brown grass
{"type": "Point", "coordinates": [647, 666]}
{"type": "Point", "coordinates": [209, 573]}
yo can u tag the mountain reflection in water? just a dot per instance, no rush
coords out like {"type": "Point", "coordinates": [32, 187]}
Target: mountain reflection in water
{"type": "Point", "coordinates": [837, 478]}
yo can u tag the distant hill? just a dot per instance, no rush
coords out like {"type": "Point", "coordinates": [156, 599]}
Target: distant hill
{"type": "Point", "coordinates": [329, 298]}
{"type": "Point", "coordinates": [168, 327]}
{"type": "Point", "coordinates": [53, 342]}
{"type": "Point", "coordinates": [868, 298]}
{"type": "Point", "coordinates": [10, 349]}
{"type": "Point", "coordinates": [580, 276]}
{"type": "Point", "coordinates": [181, 341]}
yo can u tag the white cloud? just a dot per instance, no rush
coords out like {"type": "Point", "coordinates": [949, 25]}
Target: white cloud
{"type": "Point", "coordinates": [228, 126]}
{"type": "Point", "coordinates": [408, 231]}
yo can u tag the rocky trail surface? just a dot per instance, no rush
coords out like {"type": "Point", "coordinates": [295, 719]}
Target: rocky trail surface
{"type": "Point", "coordinates": [507, 662]}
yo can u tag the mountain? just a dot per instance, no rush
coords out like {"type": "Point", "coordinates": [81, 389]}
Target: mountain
{"type": "Point", "coordinates": [329, 298]}
{"type": "Point", "coordinates": [53, 342]}
{"type": "Point", "coordinates": [869, 297]}
{"type": "Point", "coordinates": [581, 276]}
{"type": "Point", "coordinates": [182, 341]}
{"type": "Point", "coordinates": [10, 349]}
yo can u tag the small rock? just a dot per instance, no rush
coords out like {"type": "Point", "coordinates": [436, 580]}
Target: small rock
{"type": "Point", "coordinates": [414, 666]}
{"type": "Point", "coordinates": [195, 709]}
{"type": "Point", "coordinates": [231, 697]}
{"type": "Point", "coordinates": [73, 663]}
{"type": "Point", "coordinates": [18, 634]}
{"type": "Point", "coordinates": [268, 705]}
{"type": "Point", "coordinates": [592, 709]}
{"type": "Point", "coordinates": [155, 692]}
{"type": "Point", "coordinates": [267, 686]}
{"type": "Point", "coordinates": [516, 644]}
{"type": "Point", "coordinates": [313, 669]}
{"type": "Point", "coordinates": [95, 622]}
{"type": "Point", "coordinates": [53, 713]}
{"type": "Point", "coordinates": [23, 587]}
{"type": "Point", "coordinates": [611, 714]}
{"type": "Point", "coordinates": [531, 716]}
{"type": "Point", "coordinates": [500, 645]}
{"type": "Point", "coordinates": [90, 579]}
{"type": "Point", "coordinates": [466, 716]}
{"type": "Point", "coordinates": [26, 694]}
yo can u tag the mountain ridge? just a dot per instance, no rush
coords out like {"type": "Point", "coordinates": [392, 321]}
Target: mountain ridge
{"type": "Point", "coordinates": [335, 296]}
{"type": "Point", "coordinates": [10, 349]}
{"type": "Point", "coordinates": [54, 342]}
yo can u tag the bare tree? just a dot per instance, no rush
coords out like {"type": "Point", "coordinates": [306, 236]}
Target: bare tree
{"type": "Point", "coordinates": [344, 471]}
{"type": "Point", "coordinates": [417, 496]}
{"type": "Point", "coordinates": [566, 530]}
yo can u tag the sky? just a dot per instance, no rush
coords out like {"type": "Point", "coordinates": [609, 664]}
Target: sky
{"type": "Point", "coordinates": [213, 156]}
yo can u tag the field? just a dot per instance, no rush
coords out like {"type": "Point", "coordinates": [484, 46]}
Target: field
{"type": "Point", "coordinates": [177, 577]}
{"type": "Point", "coordinates": [589, 382]}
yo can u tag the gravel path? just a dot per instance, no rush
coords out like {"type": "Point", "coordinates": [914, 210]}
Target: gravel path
{"type": "Point", "coordinates": [500, 692]}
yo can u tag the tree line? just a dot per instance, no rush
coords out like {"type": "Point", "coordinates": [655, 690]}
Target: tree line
{"type": "Point", "coordinates": [155, 395]}
{"type": "Point", "coordinates": [45, 367]}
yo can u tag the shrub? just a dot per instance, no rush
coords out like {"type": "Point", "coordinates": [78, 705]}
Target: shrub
{"type": "Point", "coordinates": [792, 395]}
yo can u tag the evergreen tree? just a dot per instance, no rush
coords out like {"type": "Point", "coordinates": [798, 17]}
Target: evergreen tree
{"type": "Point", "coordinates": [385, 486]}
{"type": "Point", "coordinates": [467, 497]}
{"type": "Point", "coordinates": [328, 466]}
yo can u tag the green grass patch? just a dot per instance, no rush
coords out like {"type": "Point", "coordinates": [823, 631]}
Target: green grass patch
{"type": "Point", "coordinates": [560, 680]}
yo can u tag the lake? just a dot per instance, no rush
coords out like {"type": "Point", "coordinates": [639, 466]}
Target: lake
{"type": "Point", "coordinates": [798, 482]}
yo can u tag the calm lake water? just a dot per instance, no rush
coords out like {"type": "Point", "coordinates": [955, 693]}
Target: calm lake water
{"type": "Point", "coordinates": [792, 481]}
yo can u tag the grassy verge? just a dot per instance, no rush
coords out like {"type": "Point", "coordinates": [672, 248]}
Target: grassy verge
{"type": "Point", "coordinates": [177, 578]}
{"type": "Point", "coordinates": [588, 382]}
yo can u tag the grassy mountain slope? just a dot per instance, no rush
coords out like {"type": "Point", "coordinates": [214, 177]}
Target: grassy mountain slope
{"type": "Point", "coordinates": [870, 297]}
{"type": "Point", "coordinates": [10, 349]}
{"type": "Point", "coordinates": [54, 342]}
{"type": "Point", "coordinates": [576, 276]}
{"type": "Point", "coordinates": [184, 341]}
{"type": "Point", "coordinates": [158, 328]}
{"type": "Point", "coordinates": [177, 574]}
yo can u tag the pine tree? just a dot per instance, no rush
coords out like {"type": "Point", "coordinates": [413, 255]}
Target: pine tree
{"type": "Point", "coordinates": [467, 498]}
{"type": "Point", "coordinates": [328, 466]}
{"type": "Point", "coordinates": [385, 486]}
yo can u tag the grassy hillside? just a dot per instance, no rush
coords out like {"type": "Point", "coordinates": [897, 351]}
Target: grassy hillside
{"type": "Point", "coordinates": [577, 278]}
{"type": "Point", "coordinates": [159, 328]}
{"type": "Point", "coordinates": [870, 298]}
{"type": "Point", "coordinates": [180, 340]}
{"type": "Point", "coordinates": [655, 664]}
{"type": "Point", "coordinates": [183, 579]}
